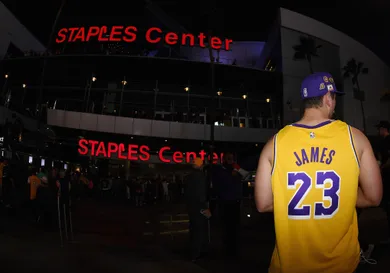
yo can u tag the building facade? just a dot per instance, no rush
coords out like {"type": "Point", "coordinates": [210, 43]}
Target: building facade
{"type": "Point", "coordinates": [135, 93]}
{"type": "Point", "coordinates": [12, 32]}
{"type": "Point", "coordinates": [335, 49]}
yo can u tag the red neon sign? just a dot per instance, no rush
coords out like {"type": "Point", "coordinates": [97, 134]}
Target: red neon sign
{"type": "Point", "coordinates": [128, 34]}
{"type": "Point", "coordinates": [135, 152]}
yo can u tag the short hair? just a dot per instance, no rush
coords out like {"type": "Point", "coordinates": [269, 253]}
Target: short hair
{"type": "Point", "coordinates": [315, 102]}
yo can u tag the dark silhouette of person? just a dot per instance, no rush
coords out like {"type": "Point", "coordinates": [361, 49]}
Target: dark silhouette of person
{"type": "Point", "coordinates": [198, 209]}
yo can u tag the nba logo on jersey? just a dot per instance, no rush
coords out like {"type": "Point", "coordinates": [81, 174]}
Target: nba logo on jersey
{"type": "Point", "coordinates": [312, 135]}
{"type": "Point", "coordinates": [304, 92]}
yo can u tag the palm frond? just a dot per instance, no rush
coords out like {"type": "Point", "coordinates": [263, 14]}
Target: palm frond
{"type": "Point", "coordinates": [299, 55]}
{"type": "Point", "coordinates": [346, 74]}
{"type": "Point", "coordinates": [298, 48]}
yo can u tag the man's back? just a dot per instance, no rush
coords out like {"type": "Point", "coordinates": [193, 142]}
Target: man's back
{"type": "Point", "coordinates": [314, 183]}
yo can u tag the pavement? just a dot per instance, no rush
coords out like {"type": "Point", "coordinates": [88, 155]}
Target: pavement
{"type": "Point", "coordinates": [45, 255]}
{"type": "Point", "coordinates": [110, 238]}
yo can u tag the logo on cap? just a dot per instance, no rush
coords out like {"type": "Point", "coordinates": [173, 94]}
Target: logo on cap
{"type": "Point", "coordinates": [330, 87]}
{"type": "Point", "coordinates": [305, 92]}
{"type": "Point", "coordinates": [325, 79]}
{"type": "Point", "coordinates": [331, 80]}
{"type": "Point", "coordinates": [322, 86]}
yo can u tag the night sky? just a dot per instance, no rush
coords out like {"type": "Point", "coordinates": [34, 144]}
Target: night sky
{"type": "Point", "coordinates": [239, 20]}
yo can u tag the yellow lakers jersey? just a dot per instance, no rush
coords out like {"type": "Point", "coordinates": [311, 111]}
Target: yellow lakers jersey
{"type": "Point", "coordinates": [314, 183]}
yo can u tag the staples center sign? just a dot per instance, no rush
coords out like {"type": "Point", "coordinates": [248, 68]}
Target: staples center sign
{"type": "Point", "coordinates": [135, 152]}
{"type": "Point", "coordinates": [129, 34]}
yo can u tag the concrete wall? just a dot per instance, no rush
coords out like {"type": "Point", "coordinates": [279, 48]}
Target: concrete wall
{"type": "Point", "coordinates": [272, 44]}
{"type": "Point", "coordinates": [11, 30]}
{"type": "Point", "coordinates": [373, 83]}
{"type": "Point", "coordinates": [294, 71]}
{"type": "Point", "coordinates": [154, 128]}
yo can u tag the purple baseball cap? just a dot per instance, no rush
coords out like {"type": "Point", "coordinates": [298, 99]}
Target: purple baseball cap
{"type": "Point", "coordinates": [317, 85]}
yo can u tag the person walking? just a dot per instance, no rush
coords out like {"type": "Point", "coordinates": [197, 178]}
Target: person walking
{"type": "Point", "coordinates": [64, 204]}
{"type": "Point", "coordinates": [312, 175]}
{"type": "Point", "coordinates": [34, 183]}
{"type": "Point", "coordinates": [384, 158]}
{"type": "Point", "coordinates": [198, 210]}
{"type": "Point", "coordinates": [227, 182]}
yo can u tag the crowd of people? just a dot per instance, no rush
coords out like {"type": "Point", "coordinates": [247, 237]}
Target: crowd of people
{"type": "Point", "coordinates": [38, 190]}
{"type": "Point", "coordinates": [349, 176]}
{"type": "Point", "coordinates": [144, 190]}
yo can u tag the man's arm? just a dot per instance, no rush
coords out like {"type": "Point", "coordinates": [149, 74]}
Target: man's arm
{"type": "Point", "coordinates": [263, 187]}
{"type": "Point", "coordinates": [370, 180]}
{"type": "Point", "coordinates": [241, 171]}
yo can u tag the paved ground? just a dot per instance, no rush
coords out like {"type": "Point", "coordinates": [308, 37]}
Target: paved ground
{"type": "Point", "coordinates": [108, 245]}
{"type": "Point", "coordinates": [33, 255]}
{"type": "Point", "coordinates": [109, 238]}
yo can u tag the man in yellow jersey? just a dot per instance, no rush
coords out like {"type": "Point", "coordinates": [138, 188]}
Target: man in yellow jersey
{"type": "Point", "coordinates": [312, 175]}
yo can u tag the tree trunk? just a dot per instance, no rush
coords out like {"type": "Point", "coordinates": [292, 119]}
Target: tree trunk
{"type": "Point", "coordinates": [361, 107]}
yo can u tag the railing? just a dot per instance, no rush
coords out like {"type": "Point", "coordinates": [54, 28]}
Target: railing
{"type": "Point", "coordinates": [237, 117]}
{"type": "Point", "coordinates": [168, 103]}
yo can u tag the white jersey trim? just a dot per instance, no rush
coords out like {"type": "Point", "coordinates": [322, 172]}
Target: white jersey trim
{"type": "Point", "coordinates": [275, 152]}
{"type": "Point", "coordinates": [353, 146]}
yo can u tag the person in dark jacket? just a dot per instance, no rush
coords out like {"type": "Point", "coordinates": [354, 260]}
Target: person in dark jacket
{"type": "Point", "coordinates": [198, 210]}
{"type": "Point", "coordinates": [227, 182]}
{"type": "Point", "coordinates": [7, 184]}
{"type": "Point", "coordinates": [384, 151]}
{"type": "Point", "coordinates": [47, 203]}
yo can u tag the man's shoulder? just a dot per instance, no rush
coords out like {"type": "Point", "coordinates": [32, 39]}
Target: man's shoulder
{"type": "Point", "coordinates": [286, 130]}
{"type": "Point", "coordinates": [217, 167]}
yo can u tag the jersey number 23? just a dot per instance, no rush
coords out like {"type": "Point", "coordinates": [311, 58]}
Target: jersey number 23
{"type": "Point", "coordinates": [328, 181]}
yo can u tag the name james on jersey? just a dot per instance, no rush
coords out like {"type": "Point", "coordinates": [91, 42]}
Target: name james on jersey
{"type": "Point", "coordinates": [314, 155]}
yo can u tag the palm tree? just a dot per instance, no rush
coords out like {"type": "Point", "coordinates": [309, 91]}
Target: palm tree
{"type": "Point", "coordinates": [353, 70]}
{"type": "Point", "coordinates": [306, 49]}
